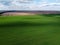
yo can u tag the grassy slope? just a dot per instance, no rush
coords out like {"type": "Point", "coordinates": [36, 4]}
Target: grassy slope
{"type": "Point", "coordinates": [29, 30]}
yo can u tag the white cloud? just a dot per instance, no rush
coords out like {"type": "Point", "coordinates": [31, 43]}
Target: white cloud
{"type": "Point", "coordinates": [24, 1]}
{"type": "Point", "coordinates": [50, 6]}
{"type": "Point", "coordinates": [3, 7]}
{"type": "Point", "coordinates": [29, 5]}
{"type": "Point", "coordinates": [16, 5]}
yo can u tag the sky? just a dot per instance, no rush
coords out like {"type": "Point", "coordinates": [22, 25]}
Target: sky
{"type": "Point", "coordinates": [30, 5]}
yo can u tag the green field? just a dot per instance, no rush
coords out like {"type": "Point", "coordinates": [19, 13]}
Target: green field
{"type": "Point", "coordinates": [29, 30]}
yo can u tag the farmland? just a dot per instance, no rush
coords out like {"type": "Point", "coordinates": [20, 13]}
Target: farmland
{"type": "Point", "coordinates": [30, 30]}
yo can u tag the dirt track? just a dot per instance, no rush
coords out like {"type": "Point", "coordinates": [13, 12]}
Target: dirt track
{"type": "Point", "coordinates": [15, 14]}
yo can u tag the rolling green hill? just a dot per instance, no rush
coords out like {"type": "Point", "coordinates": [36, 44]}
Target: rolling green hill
{"type": "Point", "coordinates": [29, 30]}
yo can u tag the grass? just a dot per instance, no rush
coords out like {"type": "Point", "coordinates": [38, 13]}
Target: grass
{"type": "Point", "coordinates": [29, 30]}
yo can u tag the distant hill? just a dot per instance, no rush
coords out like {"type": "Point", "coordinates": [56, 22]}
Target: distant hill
{"type": "Point", "coordinates": [15, 12]}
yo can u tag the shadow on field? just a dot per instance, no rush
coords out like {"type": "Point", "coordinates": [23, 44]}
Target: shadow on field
{"type": "Point", "coordinates": [28, 24]}
{"type": "Point", "coordinates": [51, 15]}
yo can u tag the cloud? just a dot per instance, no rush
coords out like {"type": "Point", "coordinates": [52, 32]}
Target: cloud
{"type": "Point", "coordinates": [24, 1]}
{"type": "Point", "coordinates": [28, 5]}
{"type": "Point", "coordinates": [3, 7]}
{"type": "Point", "coordinates": [50, 6]}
